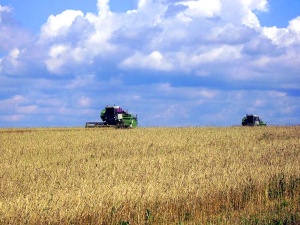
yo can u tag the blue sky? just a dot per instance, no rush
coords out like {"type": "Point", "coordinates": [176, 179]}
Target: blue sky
{"type": "Point", "coordinates": [172, 62]}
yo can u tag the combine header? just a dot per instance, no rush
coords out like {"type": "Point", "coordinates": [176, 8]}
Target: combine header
{"type": "Point", "coordinates": [114, 116]}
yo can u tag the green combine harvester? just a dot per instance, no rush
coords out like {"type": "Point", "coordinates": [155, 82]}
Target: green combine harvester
{"type": "Point", "coordinates": [114, 116]}
{"type": "Point", "coordinates": [252, 120]}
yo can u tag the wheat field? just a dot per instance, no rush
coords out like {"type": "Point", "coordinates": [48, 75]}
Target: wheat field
{"type": "Point", "coordinates": [161, 175]}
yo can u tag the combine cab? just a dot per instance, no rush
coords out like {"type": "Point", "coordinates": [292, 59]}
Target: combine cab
{"type": "Point", "coordinates": [114, 116]}
{"type": "Point", "coordinates": [252, 120]}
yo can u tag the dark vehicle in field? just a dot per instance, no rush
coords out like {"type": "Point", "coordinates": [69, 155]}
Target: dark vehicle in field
{"type": "Point", "coordinates": [253, 120]}
{"type": "Point", "coordinates": [114, 116]}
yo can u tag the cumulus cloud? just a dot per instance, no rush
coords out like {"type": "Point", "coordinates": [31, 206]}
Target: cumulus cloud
{"type": "Point", "coordinates": [155, 60]}
{"type": "Point", "coordinates": [13, 40]}
{"type": "Point", "coordinates": [3, 10]}
{"type": "Point", "coordinates": [144, 38]}
{"type": "Point", "coordinates": [103, 8]}
{"type": "Point", "coordinates": [202, 8]}
{"type": "Point", "coordinates": [58, 57]}
{"type": "Point", "coordinates": [84, 101]}
{"type": "Point", "coordinates": [73, 38]}
{"type": "Point", "coordinates": [59, 25]}
{"type": "Point", "coordinates": [17, 106]}
{"type": "Point", "coordinates": [284, 36]}
{"type": "Point", "coordinates": [11, 62]}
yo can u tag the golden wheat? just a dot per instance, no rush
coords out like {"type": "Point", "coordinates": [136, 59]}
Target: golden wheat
{"type": "Point", "coordinates": [143, 175]}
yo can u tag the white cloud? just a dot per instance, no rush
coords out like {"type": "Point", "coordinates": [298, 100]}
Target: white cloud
{"type": "Point", "coordinates": [14, 53]}
{"type": "Point", "coordinates": [219, 54]}
{"type": "Point", "coordinates": [143, 3]}
{"type": "Point", "coordinates": [100, 35]}
{"type": "Point", "coordinates": [207, 93]}
{"type": "Point", "coordinates": [169, 111]}
{"type": "Point", "coordinates": [261, 5]}
{"type": "Point", "coordinates": [17, 99]}
{"type": "Point", "coordinates": [84, 101]}
{"type": "Point", "coordinates": [73, 39]}
{"type": "Point", "coordinates": [16, 108]}
{"type": "Point", "coordinates": [195, 93]}
{"type": "Point", "coordinates": [202, 8]}
{"type": "Point", "coordinates": [58, 25]}
{"type": "Point", "coordinates": [49, 101]}
{"type": "Point", "coordinates": [103, 8]}
{"type": "Point", "coordinates": [13, 118]}
{"type": "Point", "coordinates": [251, 20]}
{"type": "Point", "coordinates": [284, 36]}
{"type": "Point", "coordinates": [27, 109]}
{"type": "Point", "coordinates": [259, 103]}
{"type": "Point", "coordinates": [294, 25]}
{"type": "Point", "coordinates": [4, 9]}
{"type": "Point", "coordinates": [57, 58]}
{"type": "Point", "coordinates": [155, 60]}
{"type": "Point", "coordinates": [81, 81]}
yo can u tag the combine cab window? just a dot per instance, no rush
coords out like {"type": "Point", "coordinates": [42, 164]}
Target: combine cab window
{"type": "Point", "coordinates": [250, 119]}
{"type": "Point", "coordinates": [110, 116]}
{"type": "Point", "coordinates": [110, 112]}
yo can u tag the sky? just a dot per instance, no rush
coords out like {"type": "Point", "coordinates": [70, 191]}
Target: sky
{"type": "Point", "coordinates": [171, 62]}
